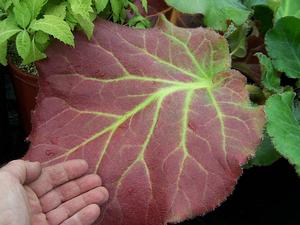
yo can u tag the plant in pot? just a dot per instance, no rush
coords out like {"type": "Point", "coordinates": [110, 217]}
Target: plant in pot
{"type": "Point", "coordinates": [27, 27]}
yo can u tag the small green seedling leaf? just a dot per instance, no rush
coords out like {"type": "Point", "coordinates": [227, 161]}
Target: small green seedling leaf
{"type": "Point", "coordinates": [283, 127]}
{"type": "Point", "coordinates": [23, 44]}
{"type": "Point", "coordinates": [116, 7]}
{"type": "Point", "coordinates": [56, 27]}
{"type": "Point", "coordinates": [22, 14]}
{"type": "Point", "coordinates": [58, 10]}
{"type": "Point", "coordinates": [100, 5]}
{"type": "Point", "coordinates": [270, 78]}
{"type": "Point", "coordinates": [35, 6]}
{"type": "Point", "coordinates": [8, 28]}
{"type": "Point", "coordinates": [81, 11]}
{"type": "Point", "coordinates": [216, 12]}
{"type": "Point", "coordinates": [34, 54]}
{"type": "Point", "coordinates": [282, 43]}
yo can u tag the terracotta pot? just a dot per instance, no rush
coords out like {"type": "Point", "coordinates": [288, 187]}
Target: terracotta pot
{"type": "Point", "coordinates": [26, 88]}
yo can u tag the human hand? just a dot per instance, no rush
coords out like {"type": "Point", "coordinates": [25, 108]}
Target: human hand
{"type": "Point", "coordinates": [59, 194]}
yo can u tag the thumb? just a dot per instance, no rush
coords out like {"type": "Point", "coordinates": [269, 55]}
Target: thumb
{"type": "Point", "coordinates": [24, 171]}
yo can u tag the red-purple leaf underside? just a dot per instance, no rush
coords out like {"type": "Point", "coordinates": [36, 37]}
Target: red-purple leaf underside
{"type": "Point", "coordinates": [157, 113]}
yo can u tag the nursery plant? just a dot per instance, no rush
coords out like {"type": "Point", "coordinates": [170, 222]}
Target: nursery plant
{"type": "Point", "coordinates": [29, 25]}
{"type": "Point", "coordinates": [169, 116]}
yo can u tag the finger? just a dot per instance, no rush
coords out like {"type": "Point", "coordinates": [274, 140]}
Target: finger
{"type": "Point", "coordinates": [67, 191]}
{"type": "Point", "coordinates": [24, 171]}
{"type": "Point", "coordinates": [86, 216]}
{"type": "Point", "coordinates": [58, 174]}
{"type": "Point", "coordinates": [39, 219]}
{"type": "Point", "coordinates": [68, 209]}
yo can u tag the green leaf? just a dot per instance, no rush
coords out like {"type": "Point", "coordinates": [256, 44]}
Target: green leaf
{"type": "Point", "coordinates": [8, 28]}
{"type": "Point", "coordinates": [41, 37]}
{"type": "Point", "coordinates": [22, 14]}
{"type": "Point", "coordinates": [58, 10]}
{"type": "Point", "coordinates": [270, 78]}
{"type": "Point", "coordinates": [145, 5]}
{"type": "Point", "coordinates": [272, 4]}
{"type": "Point", "coordinates": [42, 40]}
{"type": "Point", "coordinates": [117, 7]}
{"type": "Point", "coordinates": [81, 11]}
{"type": "Point", "coordinates": [238, 41]}
{"type": "Point", "coordinates": [266, 154]}
{"type": "Point", "coordinates": [282, 43]}
{"type": "Point", "coordinates": [5, 4]}
{"type": "Point", "coordinates": [56, 27]}
{"type": "Point", "coordinates": [288, 8]}
{"type": "Point", "coordinates": [34, 54]}
{"type": "Point", "coordinates": [35, 6]}
{"type": "Point", "coordinates": [23, 44]}
{"type": "Point", "coordinates": [216, 12]}
{"type": "Point", "coordinates": [283, 126]}
{"type": "Point", "coordinates": [3, 53]}
{"type": "Point", "coordinates": [100, 5]}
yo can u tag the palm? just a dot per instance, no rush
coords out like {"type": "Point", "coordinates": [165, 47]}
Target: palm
{"type": "Point", "coordinates": [60, 194]}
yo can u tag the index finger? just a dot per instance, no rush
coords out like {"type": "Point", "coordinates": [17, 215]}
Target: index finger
{"type": "Point", "coordinates": [57, 175]}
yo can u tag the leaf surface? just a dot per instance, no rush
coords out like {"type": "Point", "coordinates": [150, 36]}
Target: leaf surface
{"type": "Point", "coordinates": [283, 127]}
{"type": "Point", "coordinates": [56, 27]}
{"type": "Point", "coordinates": [288, 8]}
{"type": "Point", "coordinates": [282, 43]}
{"type": "Point", "coordinates": [270, 78]}
{"type": "Point", "coordinates": [157, 113]}
{"type": "Point", "coordinates": [23, 44]}
{"type": "Point", "coordinates": [216, 12]}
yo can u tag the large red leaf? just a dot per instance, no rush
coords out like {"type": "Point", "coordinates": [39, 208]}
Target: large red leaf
{"type": "Point", "coordinates": [157, 113]}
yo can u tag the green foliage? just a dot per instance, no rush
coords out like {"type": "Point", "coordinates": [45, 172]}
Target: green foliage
{"type": "Point", "coordinates": [238, 40]}
{"type": "Point", "coordinates": [216, 12]}
{"type": "Point", "coordinates": [283, 46]}
{"type": "Point", "coordinates": [29, 23]}
{"type": "Point", "coordinates": [283, 126]}
{"type": "Point", "coordinates": [54, 26]}
{"type": "Point", "coordinates": [288, 8]}
{"type": "Point", "coordinates": [270, 78]}
{"type": "Point", "coordinates": [266, 154]}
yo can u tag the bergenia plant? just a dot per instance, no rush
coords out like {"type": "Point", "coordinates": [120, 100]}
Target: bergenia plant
{"type": "Point", "coordinates": [161, 115]}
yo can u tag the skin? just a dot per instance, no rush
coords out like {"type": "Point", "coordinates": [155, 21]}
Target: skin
{"type": "Point", "coordinates": [60, 194]}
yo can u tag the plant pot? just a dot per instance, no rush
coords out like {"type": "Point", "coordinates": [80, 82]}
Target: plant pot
{"type": "Point", "coordinates": [26, 89]}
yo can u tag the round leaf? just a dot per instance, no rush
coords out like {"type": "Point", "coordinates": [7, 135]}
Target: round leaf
{"type": "Point", "coordinates": [284, 47]}
{"type": "Point", "coordinates": [157, 113]}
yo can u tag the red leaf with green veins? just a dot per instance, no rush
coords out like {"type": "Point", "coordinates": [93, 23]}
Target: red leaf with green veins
{"type": "Point", "coordinates": [157, 113]}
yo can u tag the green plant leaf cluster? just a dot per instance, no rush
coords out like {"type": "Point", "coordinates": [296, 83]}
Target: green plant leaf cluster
{"type": "Point", "coordinates": [282, 43]}
{"type": "Point", "coordinates": [31, 24]}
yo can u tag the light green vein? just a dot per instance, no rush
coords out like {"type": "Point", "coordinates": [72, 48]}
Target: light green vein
{"type": "Point", "coordinates": [185, 121]}
{"type": "Point", "coordinates": [163, 92]}
{"type": "Point", "coordinates": [220, 118]}
{"type": "Point", "coordinates": [200, 69]}
{"type": "Point", "coordinates": [141, 155]}
{"type": "Point", "coordinates": [190, 74]}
